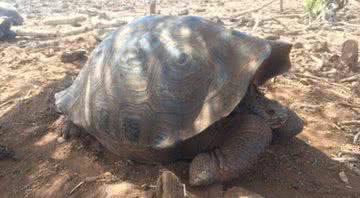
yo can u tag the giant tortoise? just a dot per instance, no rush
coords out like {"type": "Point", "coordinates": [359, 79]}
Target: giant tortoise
{"type": "Point", "coordinates": [166, 88]}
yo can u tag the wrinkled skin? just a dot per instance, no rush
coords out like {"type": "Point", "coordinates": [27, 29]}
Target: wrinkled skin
{"type": "Point", "coordinates": [254, 124]}
{"type": "Point", "coordinates": [254, 102]}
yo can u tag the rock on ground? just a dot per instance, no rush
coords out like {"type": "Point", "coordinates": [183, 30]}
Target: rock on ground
{"type": "Point", "coordinates": [169, 186]}
{"type": "Point", "coordinates": [237, 192]}
{"type": "Point", "coordinates": [350, 54]}
{"type": "Point", "coordinates": [11, 12]}
{"type": "Point", "coordinates": [123, 189]}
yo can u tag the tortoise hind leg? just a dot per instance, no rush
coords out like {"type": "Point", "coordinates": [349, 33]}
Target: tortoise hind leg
{"type": "Point", "coordinates": [249, 137]}
{"type": "Point", "coordinates": [293, 126]}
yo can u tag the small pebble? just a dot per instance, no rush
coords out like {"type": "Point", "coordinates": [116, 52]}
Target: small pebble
{"type": "Point", "coordinates": [108, 177]}
{"type": "Point", "coordinates": [298, 45]}
{"type": "Point", "coordinates": [183, 12]}
{"type": "Point", "coordinates": [60, 140]}
{"type": "Point", "coordinates": [343, 177]}
{"type": "Point", "coordinates": [200, 10]}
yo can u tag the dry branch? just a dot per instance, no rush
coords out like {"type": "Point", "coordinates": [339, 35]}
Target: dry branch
{"type": "Point", "coordinates": [347, 24]}
{"type": "Point", "coordinates": [115, 23]}
{"type": "Point", "coordinates": [351, 153]}
{"type": "Point", "coordinates": [280, 23]}
{"type": "Point", "coordinates": [106, 177]}
{"type": "Point", "coordinates": [258, 20]}
{"type": "Point", "coordinates": [350, 122]}
{"type": "Point", "coordinates": [345, 159]}
{"type": "Point", "coordinates": [86, 180]}
{"type": "Point", "coordinates": [321, 79]}
{"type": "Point", "coordinates": [356, 138]}
{"type": "Point", "coordinates": [73, 31]}
{"type": "Point", "coordinates": [36, 33]}
{"type": "Point", "coordinates": [71, 20]}
{"type": "Point", "coordinates": [289, 16]}
{"type": "Point", "coordinates": [351, 78]}
{"type": "Point", "coordinates": [255, 9]}
{"type": "Point", "coordinates": [257, 23]}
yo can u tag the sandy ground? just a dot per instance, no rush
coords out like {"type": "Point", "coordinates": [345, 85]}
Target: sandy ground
{"type": "Point", "coordinates": [31, 73]}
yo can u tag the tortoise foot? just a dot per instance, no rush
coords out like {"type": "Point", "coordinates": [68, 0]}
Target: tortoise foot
{"type": "Point", "coordinates": [293, 126]}
{"type": "Point", "coordinates": [6, 153]}
{"type": "Point", "coordinates": [204, 170]}
{"type": "Point", "coordinates": [67, 129]}
{"type": "Point", "coordinates": [249, 138]}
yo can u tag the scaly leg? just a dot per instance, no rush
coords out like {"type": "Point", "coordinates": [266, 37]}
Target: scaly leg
{"type": "Point", "coordinates": [249, 136]}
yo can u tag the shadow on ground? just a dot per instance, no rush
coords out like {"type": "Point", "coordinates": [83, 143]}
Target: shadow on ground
{"type": "Point", "coordinates": [48, 169]}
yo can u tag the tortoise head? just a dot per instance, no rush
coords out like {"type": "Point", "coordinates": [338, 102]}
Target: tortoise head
{"type": "Point", "coordinates": [278, 62]}
{"type": "Point", "coordinates": [261, 58]}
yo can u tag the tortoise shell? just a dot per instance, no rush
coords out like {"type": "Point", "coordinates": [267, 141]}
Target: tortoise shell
{"type": "Point", "coordinates": [161, 80]}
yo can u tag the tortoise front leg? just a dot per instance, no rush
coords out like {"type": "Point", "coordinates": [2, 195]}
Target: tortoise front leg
{"type": "Point", "coordinates": [67, 128]}
{"type": "Point", "coordinates": [249, 137]}
{"type": "Point", "coordinates": [293, 126]}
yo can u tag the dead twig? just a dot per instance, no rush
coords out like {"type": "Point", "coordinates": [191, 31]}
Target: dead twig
{"type": "Point", "coordinates": [71, 20]}
{"type": "Point", "coordinates": [352, 153]}
{"type": "Point", "coordinates": [289, 16]}
{"type": "Point", "coordinates": [258, 20]}
{"type": "Point", "coordinates": [347, 104]}
{"type": "Point", "coordinates": [255, 9]}
{"type": "Point", "coordinates": [6, 103]}
{"type": "Point", "coordinates": [321, 79]}
{"type": "Point", "coordinates": [184, 190]}
{"type": "Point", "coordinates": [351, 78]}
{"type": "Point", "coordinates": [74, 31]}
{"type": "Point", "coordinates": [34, 33]}
{"type": "Point", "coordinates": [333, 124]}
{"type": "Point", "coordinates": [278, 22]}
{"type": "Point", "coordinates": [257, 23]}
{"type": "Point", "coordinates": [356, 138]}
{"type": "Point", "coordinates": [350, 122]}
{"type": "Point", "coordinates": [345, 159]}
{"type": "Point", "coordinates": [86, 180]}
{"type": "Point", "coordinates": [347, 24]}
{"type": "Point", "coordinates": [106, 177]}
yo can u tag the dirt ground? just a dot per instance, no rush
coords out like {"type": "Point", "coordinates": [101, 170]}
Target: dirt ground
{"type": "Point", "coordinates": [32, 71]}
